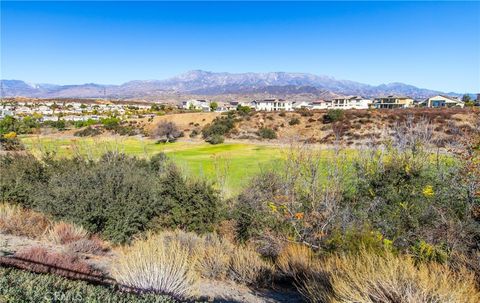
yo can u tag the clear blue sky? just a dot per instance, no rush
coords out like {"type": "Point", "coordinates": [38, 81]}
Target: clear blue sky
{"type": "Point", "coordinates": [428, 44]}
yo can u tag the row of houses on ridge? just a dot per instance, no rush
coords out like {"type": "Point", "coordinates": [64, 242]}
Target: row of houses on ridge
{"type": "Point", "coordinates": [341, 102]}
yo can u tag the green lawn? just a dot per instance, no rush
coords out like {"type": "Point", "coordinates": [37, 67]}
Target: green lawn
{"type": "Point", "coordinates": [233, 164]}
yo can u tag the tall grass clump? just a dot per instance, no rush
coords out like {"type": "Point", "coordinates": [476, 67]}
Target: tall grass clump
{"type": "Point", "coordinates": [247, 267]}
{"type": "Point", "coordinates": [215, 260]}
{"type": "Point", "coordinates": [18, 221]}
{"type": "Point", "coordinates": [369, 277]}
{"type": "Point", "coordinates": [65, 233]}
{"type": "Point", "coordinates": [157, 264]}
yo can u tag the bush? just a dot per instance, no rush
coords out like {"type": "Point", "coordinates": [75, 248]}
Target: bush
{"type": "Point", "coordinates": [220, 126]}
{"type": "Point", "coordinates": [116, 196]}
{"type": "Point", "coordinates": [110, 123]}
{"type": "Point", "coordinates": [294, 121]}
{"type": "Point", "coordinates": [167, 132]}
{"type": "Point", "coordinates": [18, 286]}
{"type": "Point", "coordinates": [370, 277]}
{"type": "Point", "coordinates": [267, 133]}
{"type": "Point", "coordinates": [64, 233]}
{"type": "Point", "coordinates": [22, 222]}
{"type": "Point", "coordinates": [333, 115]}
{"type": "Point", "coordinates": [194, 133]}
{"type": "Point", "coordinates": [156, 265]}
{"type": "Point", "coordinates": [10, 142]}
{"type": "Point", "coordinates": [215, 139]}
{"type": "Point", "coordinates": [88, 132]}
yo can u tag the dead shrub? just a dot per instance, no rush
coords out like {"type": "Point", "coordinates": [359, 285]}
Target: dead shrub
{"type": "Point", "coordinates": [374, 278]}
{"type": "Point", "coordinates": [18, 221]}
{"type": "Point", "coordinates": [157, 264]}
{"type": "Point", "coordinates": [64, 233]}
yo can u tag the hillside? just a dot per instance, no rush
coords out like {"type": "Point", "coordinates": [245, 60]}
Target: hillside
{"type": "Point", "coordinates": [355, 128]}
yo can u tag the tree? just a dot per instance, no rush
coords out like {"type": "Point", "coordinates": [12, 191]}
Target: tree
{"type": "Point", "coordinates": [213, 106]}
{"type": "Point", "coordinates": [167, 131]}
{"type": "Point", "coordinates": [466, 98]}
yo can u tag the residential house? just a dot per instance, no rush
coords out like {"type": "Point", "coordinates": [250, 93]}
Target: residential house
{"type": "Point", "coordinates": [351, 102]}
{"type": "Point", "coordinates": [302, 105]}
{"type": "Point", "coordinates": [442, 101]}
{"type": "Point", "coordinates": [196, 104]}
{"type": "Point", "coordinates": [393, 102]}
{"type": "Point", "coordinates": [321, 104]}
{"type": "Point", "coordinates": [272, 105]}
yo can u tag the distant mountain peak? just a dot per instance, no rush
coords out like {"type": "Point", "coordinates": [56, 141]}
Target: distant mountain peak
{"type": "Point", "coordinates": [212, 83]}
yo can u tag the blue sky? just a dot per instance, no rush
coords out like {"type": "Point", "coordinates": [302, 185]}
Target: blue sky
{"type": "Point", "coordinates": [428, 44]}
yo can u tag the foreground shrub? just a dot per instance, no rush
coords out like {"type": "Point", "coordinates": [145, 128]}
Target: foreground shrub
{"type": "Point", "coordinates": [18, 221]}
{"type": "Point", "coordinates": [17, 286]}
{"type": "Point", "coordinates": [155, 264]}
{"type": "Point", "coordinates": [116, 196]}
{"type": "Point", "coordinates": [373, 278]}
{"type": "Point", "coordinates": [64, 233]}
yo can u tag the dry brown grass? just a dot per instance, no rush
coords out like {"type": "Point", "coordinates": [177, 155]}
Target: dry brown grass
{"type": "Point", "coordinates": [18, 221]}
{"type": "Point", "coordinates": [64, 233]}
{"type": "Point", "coordinates": [371, 278]}
{"type": "Point", "coordinates": [94, 246]}
{"type": "Point", "coordinates": [247, 267]}
{"type": "Point", "coordinates": [215, 260]}
{"type": "Point", "coordinates": [295, 258]}
{"type": "Point", "coordinates": [157, 264]}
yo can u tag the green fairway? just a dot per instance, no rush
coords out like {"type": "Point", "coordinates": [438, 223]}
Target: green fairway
{"type": "Point", "coordinates": [231, 165]}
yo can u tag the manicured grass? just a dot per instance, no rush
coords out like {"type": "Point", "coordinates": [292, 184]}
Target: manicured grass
{"type": "Point", "coordinates": [231, 164]}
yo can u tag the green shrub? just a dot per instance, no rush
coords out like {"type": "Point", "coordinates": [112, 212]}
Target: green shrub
{"type": "Point", "coordinates": [88, 132]}
{"type": "Point", "coordinates": [89, 122]}
{"type": "Point", "coordinates": [117, 196]}
{"type": "Point", "coordinates": [194, 133]}
{"type": "Point", "coordinates": [333, 115]}
{"type": "Point", "coordinates": [215, 139]}
{"type": "Point", "coordinates": [18, 286]}
{"type": "Point", "coordinates": [294, 121]}
{"type": "Point", "coordinates": [244, 110]}
{"type": "Point", "coordinates": [110, 123]}
{"type": "Point", "coordinates": [267, 133]}
{"type": "Point", "coordinates": [220, 126]}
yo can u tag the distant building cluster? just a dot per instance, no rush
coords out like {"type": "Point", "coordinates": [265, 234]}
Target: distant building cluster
{"type": "Point", "coordinates": [341, 102]}
{"type": "Point", "coordinates": [68, 111]}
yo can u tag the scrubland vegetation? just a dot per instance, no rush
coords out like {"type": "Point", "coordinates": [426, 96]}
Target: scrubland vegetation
{"type": "Point", "coordinates": [396, 222]}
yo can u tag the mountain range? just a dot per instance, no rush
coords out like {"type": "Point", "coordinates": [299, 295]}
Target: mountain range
{"type": "Point", "coordinates": [204, 83]}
